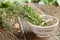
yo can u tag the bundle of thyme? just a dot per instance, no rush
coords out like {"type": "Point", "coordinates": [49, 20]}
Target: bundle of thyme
{"type": "Point", "coordinates": [32, 16]}
{"type": "Point", "coordinates": [7, 13]}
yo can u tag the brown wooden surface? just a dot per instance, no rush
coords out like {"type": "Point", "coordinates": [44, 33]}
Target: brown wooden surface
{"type": "Point", "coordinates": [6, 35]}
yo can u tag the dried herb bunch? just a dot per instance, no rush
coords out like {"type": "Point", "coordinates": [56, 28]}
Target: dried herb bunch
{"type": "Point", "coordinates": [8, 11]}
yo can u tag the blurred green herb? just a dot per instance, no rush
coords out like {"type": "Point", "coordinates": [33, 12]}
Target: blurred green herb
{"type": "Point", "coordinates": [35, 1]}
{"type": "Point", "coordinates": [51, 2]}
{"type": "Point", "coordinates": [8, 12]}
{"type": "Point", "coordinates": [32, 16]}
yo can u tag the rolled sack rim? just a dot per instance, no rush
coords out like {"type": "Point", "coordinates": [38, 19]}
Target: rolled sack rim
{"type": "Point", "coordinates": [56, 24]}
